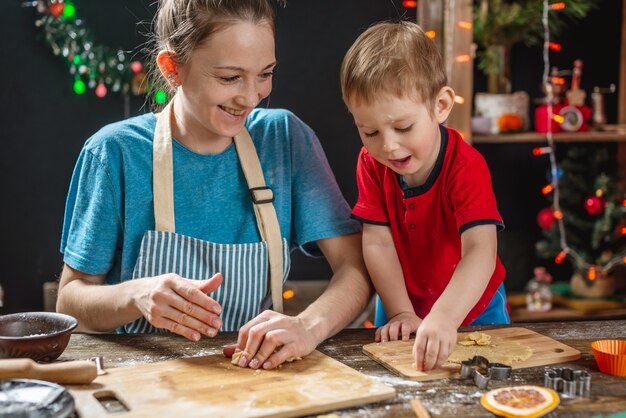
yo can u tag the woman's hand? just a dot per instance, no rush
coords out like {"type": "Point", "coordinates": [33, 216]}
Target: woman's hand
{"type": "Point", "coordinates": [270, 339]}
{"type": "Point", "coordinates": [400, 326]}
{"type": "Point", "coordinates": [180, 305]}
{"type": "Point", "coordinates": [434, 341]}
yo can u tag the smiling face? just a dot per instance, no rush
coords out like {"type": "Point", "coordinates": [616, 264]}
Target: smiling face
{"type": "Point", "coordinates": [401, 133]}
{"type": "Point", "coordinates": [228, 75]}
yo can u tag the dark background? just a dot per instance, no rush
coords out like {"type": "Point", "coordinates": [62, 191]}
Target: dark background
{"type": "Point", "coordinates": [44, 124]}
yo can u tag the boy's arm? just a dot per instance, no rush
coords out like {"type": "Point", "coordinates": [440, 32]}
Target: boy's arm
{"type": "Point", "coordinates": [437, 334]}
{"type": "Point", "coordinates": [383, 265]}
{"type": "Point", "coordinates": [472, 274]}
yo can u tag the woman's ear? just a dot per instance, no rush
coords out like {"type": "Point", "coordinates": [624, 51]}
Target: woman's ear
{"type": "Point", "coordinates": [169, 69]}
{"type": "Point", "coordinates": [444, 103]}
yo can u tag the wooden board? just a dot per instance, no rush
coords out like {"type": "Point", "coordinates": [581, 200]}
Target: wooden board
{"type": "Point", "coordinates": [211, 386]}
{"type": "Point", "coordinates": [397, 357]}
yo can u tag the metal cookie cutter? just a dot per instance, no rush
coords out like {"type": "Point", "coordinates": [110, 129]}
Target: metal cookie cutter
{"type": "Point", "coordinates": [568, 382]}
{"type": "Point", "coordinates": [482, 371]}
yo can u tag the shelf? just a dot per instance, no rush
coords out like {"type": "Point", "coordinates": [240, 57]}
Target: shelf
{"type": "Point", "coordinates": [531, 137]}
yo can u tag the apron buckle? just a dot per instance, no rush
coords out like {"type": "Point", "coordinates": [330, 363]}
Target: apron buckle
{"type": "Point", "coordinates": [261, 195]}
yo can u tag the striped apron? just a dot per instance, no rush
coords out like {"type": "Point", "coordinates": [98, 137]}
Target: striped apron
{"type": "Point", "coordinates": [245, 290]}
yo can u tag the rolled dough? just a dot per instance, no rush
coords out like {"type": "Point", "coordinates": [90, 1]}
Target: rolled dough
{"type": "Point", "coordinates": [494, 349]}
{"type": "Point", "coordinates": [235, 359]}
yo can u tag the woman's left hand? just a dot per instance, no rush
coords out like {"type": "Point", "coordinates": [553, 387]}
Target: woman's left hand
{"type": "Point", "coordinates": [270, 339]}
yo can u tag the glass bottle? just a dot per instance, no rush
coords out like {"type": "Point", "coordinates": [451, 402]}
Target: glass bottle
{"type": "Point", "coordinates": [538, 293]}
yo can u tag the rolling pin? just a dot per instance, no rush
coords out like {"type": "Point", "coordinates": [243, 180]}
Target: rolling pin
{"type": "Point", "coordinates": [71, 372]}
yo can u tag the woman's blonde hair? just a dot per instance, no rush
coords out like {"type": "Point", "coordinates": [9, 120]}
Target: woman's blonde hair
{"type": "Point", "coordinates": [181, 26]}
{"type": "Point", "coordinates": [395, 58]}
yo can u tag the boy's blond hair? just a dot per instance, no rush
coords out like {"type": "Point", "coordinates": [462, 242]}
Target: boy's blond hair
{"type": "Point", "coordinates": [395, 58]}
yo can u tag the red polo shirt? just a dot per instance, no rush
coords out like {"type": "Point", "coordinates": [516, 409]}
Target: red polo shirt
{"type": "Point", "coordinates": [427, 221]}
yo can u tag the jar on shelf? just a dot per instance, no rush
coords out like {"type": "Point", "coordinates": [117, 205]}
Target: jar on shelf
{"type": "Point", "coordinates": [538, 293]}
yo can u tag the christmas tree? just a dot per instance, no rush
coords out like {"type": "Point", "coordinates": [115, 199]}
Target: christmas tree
{"type": "Point", "coordinates": [593, 212]}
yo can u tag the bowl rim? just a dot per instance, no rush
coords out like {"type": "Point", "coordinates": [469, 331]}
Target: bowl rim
{"type": "Point", "coordinates": [73, 323]}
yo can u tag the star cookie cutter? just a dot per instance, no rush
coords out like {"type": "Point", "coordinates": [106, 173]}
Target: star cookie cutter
{"type": "Point", "coordinates": [568, 382]}
{"type": "Point", "coordinates": [482, 371]}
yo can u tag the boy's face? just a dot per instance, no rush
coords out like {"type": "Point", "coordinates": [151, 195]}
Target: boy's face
{"type": "Point", "coordinates": [401, 133]}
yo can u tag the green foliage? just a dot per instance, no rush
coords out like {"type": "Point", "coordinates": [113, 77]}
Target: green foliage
{"type": "Point", "coordinates": [506, 23]}
{"type": "Point", "coordinates": [597, 238]}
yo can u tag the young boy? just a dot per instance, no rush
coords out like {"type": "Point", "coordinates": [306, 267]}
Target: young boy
{"type": "Point", "coordinates": [425, 198]}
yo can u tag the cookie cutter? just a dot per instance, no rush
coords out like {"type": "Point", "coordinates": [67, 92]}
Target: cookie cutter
{"type": "Point", "coordinates": [482, 371]}
{"type": "Point", "coordinates": [568, 382]}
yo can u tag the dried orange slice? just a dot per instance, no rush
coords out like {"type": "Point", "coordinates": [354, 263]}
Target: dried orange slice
{"type": "Point", "coordinates": [520, 401]}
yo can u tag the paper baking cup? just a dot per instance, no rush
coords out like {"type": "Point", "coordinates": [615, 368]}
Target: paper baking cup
{"type": "Point", "coordinates": [610, 356]}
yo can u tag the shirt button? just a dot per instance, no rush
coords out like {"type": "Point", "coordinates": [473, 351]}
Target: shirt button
{"type": "Point", "coordinates": [411, 206]}
{"type": "Point", "coordinates": [412, 226]}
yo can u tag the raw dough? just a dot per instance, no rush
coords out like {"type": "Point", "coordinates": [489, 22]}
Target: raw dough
{"type": "Point", "coordinates": [235, 359]}
{"type": "Point", "coordinates": [495, 349]}
{"type": "Point", "coordinates": [476, 338]}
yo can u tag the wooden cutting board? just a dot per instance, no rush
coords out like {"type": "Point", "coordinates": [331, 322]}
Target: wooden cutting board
{"type": "Point", "coordinates": [397, 357]}
{"type": "Point", "coordinates": [211, 386]}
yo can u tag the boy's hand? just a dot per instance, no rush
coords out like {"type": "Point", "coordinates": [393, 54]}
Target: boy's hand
{"type": "Point", "coordinates": [434, 341]}
{"type": "Point", "coordinates": [400, 326]}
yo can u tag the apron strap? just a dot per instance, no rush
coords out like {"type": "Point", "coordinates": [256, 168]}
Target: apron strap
{"type": "Point", "coordinates": [267, 221]}
{"type": "Point", "coordinates": [163, 172]}
{"type": "Point", "coordinates": [262, 196]}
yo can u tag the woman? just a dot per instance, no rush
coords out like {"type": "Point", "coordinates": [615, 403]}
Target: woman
{"type": "Point", "coordinates": [165, 209]}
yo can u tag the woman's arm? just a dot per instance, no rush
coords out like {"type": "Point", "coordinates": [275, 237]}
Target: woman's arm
{"type": "Point", "coordinates": [167, 301]}
{"type": "Point", "coordinates": [347, 295]}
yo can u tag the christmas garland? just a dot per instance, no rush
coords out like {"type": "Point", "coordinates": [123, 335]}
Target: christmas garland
{"type": "Point", "coordinates": [93, 66]}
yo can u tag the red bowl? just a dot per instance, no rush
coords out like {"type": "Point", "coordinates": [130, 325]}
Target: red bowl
{"type": "Point", "coordinates": [41, 336]}
{"type": "Point", "coordinates": [610, 356]}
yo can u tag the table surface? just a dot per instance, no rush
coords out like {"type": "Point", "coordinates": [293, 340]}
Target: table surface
{"type": "Point", "coordinates": [451, 397]}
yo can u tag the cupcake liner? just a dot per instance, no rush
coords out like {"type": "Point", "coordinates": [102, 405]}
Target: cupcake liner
{"type": "Point", "coordinates": [610, 356]}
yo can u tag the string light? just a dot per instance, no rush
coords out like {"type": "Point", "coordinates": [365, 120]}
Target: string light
{"type": "Point", "coordinates": [554, 46]}
{"type": "Point", "coordinates": [459, 99]}
{"type": "Point", "coordinates": [431, 34]}
{"type": "Point", "coordinates": [288, 294]}
{"type": "Point", "coordinates": [547, 189]}
{"type": "Point", "coordinates": [593, 271]}
{"type": "Point", "coordinates": [160, 97]}
{"type": "Point", "coordinates": [592, 274]}
{"type": "Point", "coordinates": [409, 4]}
{"type": "Point", "coordinates": [463, 58]}
{"type": "Point", "coordinates": [560, 81]}
{"type": "Point", "coordinates": [465, 25]}
{"type": "Point", "coordinates": [541, 150]}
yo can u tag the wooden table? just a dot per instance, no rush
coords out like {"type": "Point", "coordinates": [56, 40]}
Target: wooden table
{"type": "Point", "coordinates": [444, 398]}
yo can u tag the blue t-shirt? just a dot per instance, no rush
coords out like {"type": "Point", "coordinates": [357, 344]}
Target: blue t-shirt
{"type": "Point", "coordinates": [110, 206]}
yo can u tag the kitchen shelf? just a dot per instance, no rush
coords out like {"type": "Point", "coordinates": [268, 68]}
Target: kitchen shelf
{"type": "Point", "coordinates": [532, 137]}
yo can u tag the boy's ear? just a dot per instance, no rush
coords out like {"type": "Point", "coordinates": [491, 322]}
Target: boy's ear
{"type": "Point", "coordinates": [444, 103]}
